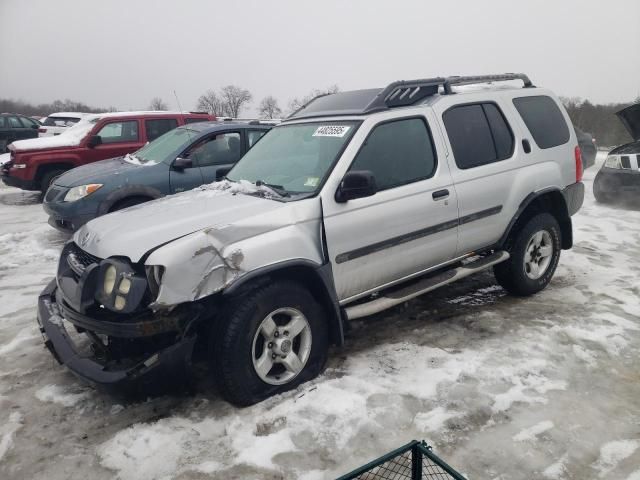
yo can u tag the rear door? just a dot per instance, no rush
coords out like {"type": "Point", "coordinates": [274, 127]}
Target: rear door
{"type": "Point", "coordinates": [18, 130]}
{"type": "Point", "coordinates": [30, 127]}
{"type": "Point", "coordinates": [409, 225]}
{"type": "Point", "coordinates": [484, 162]}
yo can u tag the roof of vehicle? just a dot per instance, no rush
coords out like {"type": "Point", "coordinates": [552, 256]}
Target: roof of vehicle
{"type": "Point", "coordinates": [218, 125]}
{"type": "Point", "coordinates": [148, 113]}
{"type": "Point", "coordinates": [69, 114]}
{"type": "Point", "coordinates": [402, 93]}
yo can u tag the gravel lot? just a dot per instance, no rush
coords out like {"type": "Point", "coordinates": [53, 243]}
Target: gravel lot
{"type": "Point", "coordinates": [503, 388]}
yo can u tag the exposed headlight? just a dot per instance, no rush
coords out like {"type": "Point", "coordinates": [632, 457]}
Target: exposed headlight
{"type": "Point", "coordinates": [120, 289]}
{"type": "Point", "coordinates": [81, 191]}
{"type": "Point", "coordinates": [109, 279]}
{"type": "Point", "coordinates": [613, 162]}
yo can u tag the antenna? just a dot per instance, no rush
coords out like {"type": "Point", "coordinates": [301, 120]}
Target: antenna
{"type": "Point", "coordinates": [182, 113]}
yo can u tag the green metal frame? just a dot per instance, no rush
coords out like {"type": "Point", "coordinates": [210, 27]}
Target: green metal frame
{"type": "Point", "coordinates": [419, 450]}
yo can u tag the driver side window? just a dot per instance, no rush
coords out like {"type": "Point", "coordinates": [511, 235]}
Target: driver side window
{"type": "Point", "coordinates": [398, 152]}
{"type": "Point", "coordinates": [220, 149]}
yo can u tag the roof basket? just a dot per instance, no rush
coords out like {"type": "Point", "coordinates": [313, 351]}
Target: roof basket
{"type": "Point", "coordinates": [404, 93]}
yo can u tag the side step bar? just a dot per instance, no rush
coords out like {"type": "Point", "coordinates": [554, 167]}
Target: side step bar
{"type": "Point", "coordinates": [397, 296]}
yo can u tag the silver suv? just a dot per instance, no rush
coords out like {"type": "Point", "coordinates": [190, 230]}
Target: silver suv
{"type": "Point", "coordinates": [359, 201]}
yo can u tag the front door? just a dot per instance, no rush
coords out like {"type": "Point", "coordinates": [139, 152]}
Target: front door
{"type": "Point", "coordinates": [409, 225]}
{"type": "Point", "coordinates": [216, 152]}
{"type": "Point", "coordinates": [118, 138]}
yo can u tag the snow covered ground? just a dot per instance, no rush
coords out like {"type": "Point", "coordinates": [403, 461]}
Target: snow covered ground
{"type": "Point", "coordinates": [503, 388]}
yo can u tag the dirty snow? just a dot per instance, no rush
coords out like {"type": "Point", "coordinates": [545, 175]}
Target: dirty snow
{"type": "Point", "coordinates": [502, 387]}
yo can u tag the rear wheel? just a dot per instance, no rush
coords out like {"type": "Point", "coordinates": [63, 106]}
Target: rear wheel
{"type": "Point", "coordinates": [535, 252]}
{"type": "Point", "coordinates": [267, 341]}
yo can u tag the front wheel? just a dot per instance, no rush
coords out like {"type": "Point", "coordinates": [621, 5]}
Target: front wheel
{"type": "Point", "coordinates": [267, 341]}
{"type": "Point", "coordinates": [535, 252]}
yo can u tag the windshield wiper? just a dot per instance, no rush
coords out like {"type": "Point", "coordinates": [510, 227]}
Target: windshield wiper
{"type": "Point", "coordinates": [279, 189]}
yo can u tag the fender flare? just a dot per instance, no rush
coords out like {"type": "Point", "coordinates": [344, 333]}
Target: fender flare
{"type": "Point", "coordinates": [561, 213]}
{"type": "Point", "coordinates": [319, 275]}
{"type": "Point", "coordinates": [127, 191]}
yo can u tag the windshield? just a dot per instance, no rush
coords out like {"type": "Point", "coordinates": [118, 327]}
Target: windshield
{"type": "Point", "coordinates": [294, 159]}
{"type": "Point", "coordinates": [165, 148]}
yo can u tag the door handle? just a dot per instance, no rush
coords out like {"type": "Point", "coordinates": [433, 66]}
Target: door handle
{"type": "Point", "coordinates": [526, 146]}
{"type": "Point", "coordinates": [440, 194]}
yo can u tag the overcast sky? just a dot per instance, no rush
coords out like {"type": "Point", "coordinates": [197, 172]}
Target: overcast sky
{"type": "Point", "coordinates": [123, 52]}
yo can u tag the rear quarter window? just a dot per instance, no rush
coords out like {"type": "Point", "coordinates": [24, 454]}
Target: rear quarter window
{"type": "Point", "coordinates": [544, 120]}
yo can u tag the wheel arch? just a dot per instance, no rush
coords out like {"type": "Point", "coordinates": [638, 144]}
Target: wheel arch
{"type": "Point", "coordinates": [318, 279]}
{"type": "Point", "coordinates": [124, 193]}
{"type": "Point", "coordinates": [45, 168]}
{"type": "Point", "coordinates": [549, 200]}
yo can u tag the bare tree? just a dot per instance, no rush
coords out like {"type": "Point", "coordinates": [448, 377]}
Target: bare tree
{"type": "Point", "coordinates": [234, 98]}
{"type": "Point", "coordinates": [158, 104]}
{"type": "Point", "coordinates": [296, 103]}
{"type": "Point", "coordinates": [269, 108]}
{"type": "Point", "coordinates": [211, 103]}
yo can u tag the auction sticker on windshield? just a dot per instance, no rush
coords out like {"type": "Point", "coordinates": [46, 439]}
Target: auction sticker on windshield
{"type": "Point", "coordinates": [331, 131]}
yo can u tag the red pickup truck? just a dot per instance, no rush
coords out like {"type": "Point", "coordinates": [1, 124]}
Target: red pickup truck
{"type": "Point", "coordinates": [35, 163]}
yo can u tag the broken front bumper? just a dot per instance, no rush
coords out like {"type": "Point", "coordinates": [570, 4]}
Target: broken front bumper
{"type": "Point", "coordinates": [164, 369]}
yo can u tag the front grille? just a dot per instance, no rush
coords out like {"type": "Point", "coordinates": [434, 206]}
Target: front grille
{"type": "Point", "coordinates": [53, 193]}
{"type": "Point", "coordinates": [80, 256]}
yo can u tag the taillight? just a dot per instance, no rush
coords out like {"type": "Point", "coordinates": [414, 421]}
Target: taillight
{"type": "Point", "coordinates": [42, 130]}
{"type": "Point", "coordinates": [578, 155]}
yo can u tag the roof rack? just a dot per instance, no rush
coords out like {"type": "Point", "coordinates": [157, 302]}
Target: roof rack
{"type": "Point", "coordinates": [397, 94]}
{"type": "Point", "coordinates": [403, 93]}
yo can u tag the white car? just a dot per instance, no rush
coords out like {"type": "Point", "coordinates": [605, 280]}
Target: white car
{"type": "Point", "coordinates": [56, 123]}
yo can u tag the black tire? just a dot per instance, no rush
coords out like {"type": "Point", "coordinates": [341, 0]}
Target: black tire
{"type": "Point", "coordinates": [128, 202]}
{"type": "Point", "coordinates": [511, 274]}
{"type": "Point", "coordinates": [47, 179]}
{"type": "Point", "coordinates": [232, 341]}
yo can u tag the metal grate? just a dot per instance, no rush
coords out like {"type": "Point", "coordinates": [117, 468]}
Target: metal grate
{"type": "Point", "coordinates": [414, 461]}
{"type": "Point", "coordinates": [83, 257]}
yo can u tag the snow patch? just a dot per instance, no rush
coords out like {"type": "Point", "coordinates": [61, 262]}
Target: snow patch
{"type": "Point", "coordinates": [433, 420]}
{"type": "Point", "coordinates": [57, 394]}
{"type": "Point", "coordinates": [612, 453]}
{"type": "Point", "coordinates": [8, 430]}
{"type": "Point", "coordinates": [532, 432]}
{"type": "Point", "coordinates": [556, 470]}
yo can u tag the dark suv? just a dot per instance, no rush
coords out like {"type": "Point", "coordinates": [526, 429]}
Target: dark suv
{"type": "Point", "coordinates": [16, 127]}
{"type": "Point", "coordinates": [179, 160]}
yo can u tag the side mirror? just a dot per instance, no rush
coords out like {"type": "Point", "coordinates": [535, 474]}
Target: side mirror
{"type": "Point", "coordinates": [356, 184]}
{"type": "Point", "coordinates": [181, 163]}
{"type": "Point", "coordinates": [222, 172]}
{"type": "Point", "coordinates": [95, 141]}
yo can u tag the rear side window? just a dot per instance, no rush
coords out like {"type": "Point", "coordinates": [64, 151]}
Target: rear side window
{"type": "Point", "coordinates": [3, 123]}
{"type": "Point", "coordinates": [27, 122]}
{"type": "Point", "coordinates": [14, 122]}
{"type": "Point", "coordinates": [479, 134]}
{"type": "Point", "coordinates": [544, 120]}
{"type": "Point", "coordinates": [159, 126]}
{"type": "Point", "coordinates": [397, 153]}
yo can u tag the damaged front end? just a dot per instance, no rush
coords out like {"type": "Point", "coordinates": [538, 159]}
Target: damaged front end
{"type": "Point", "coordinates": [95, 320]}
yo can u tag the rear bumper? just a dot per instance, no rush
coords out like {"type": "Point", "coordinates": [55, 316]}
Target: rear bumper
{"type": "Point", "coordinates": [574, 197]}
{"type": "Point", "coordinates": [161, 370]}
{"type": "Point", "coordinates": [617, 183]}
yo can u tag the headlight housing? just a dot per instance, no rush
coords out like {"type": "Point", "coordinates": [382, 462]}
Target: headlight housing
{"type": "Point", "coordinates": [119, 287]}
{"type": "Point", "coordinates": [81, 191]}
{"type": "Point", "coordinates": [613, 162]}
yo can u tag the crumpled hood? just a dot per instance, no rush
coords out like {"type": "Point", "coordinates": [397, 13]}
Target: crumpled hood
{"type": "Point", "coordinates": [630, 118]}
{"type": "Point", "coordinates": [94, 172]}
{"type": "Point", "coordinates": [134, 231]}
